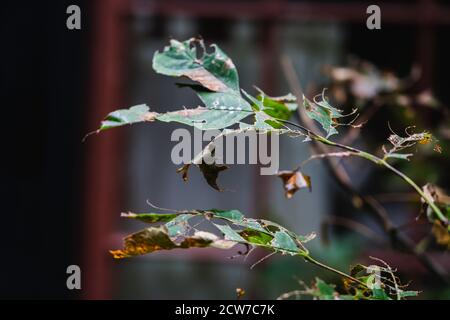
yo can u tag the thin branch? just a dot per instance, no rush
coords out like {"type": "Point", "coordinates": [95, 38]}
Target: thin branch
{"type": "Point", "coordinates": [325, 155]}
{"type": "Point", "coordinates": [326, 267]}
{"type": "Point", "coordinates": [262, 259]}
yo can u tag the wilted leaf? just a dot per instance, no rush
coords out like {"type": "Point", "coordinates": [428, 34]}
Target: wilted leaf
{"type": "Point", "coordinates": [210, 173]}
{"type": "Point", "coordinates": [214, 71]}
{"type": "Point", "coordinates": [293, 181]}
{"type": "Point", "coordinates": [157, 238]}
{"type": "Point", "coordinates": [184, 171]}
{"type": "Point", "coordinates": [145, 241]}
{"type": "Point", "coordinates": [204, 239]}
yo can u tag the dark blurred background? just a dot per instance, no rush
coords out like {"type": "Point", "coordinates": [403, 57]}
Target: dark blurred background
{"type": "Point", "coordinates": [62, 198]}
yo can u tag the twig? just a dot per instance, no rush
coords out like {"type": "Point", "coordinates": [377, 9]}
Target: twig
{"type": "Point", "coordinates": [262, 259]}
{"type": "Point", "coordinates": [324, 266]}
{"type": "Point", "coordinates": [325, 155]}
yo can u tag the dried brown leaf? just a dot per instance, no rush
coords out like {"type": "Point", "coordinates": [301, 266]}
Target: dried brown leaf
{"type": "Point", "coordinates": [157, 238]}
{"type": "Point", "coordinates": [293, 181]}
{"type": "Point", "coordinates": [211, 172]}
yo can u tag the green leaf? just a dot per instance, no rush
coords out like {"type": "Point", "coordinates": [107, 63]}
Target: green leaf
{"type": "Point", "coordinates": [405, 294]}
{"type": "Point", "coordinates": [252, 224]}
{"type": "Point", "coordinates": [263, 121]}
{"type": "Point", "coordinates": [231, 215]}
{"type": "Point", "coordinates": [289, 100]}
{"type": "Point", "coordinates": [215, 71]}
{"type": "Point", "coordinates": [274, 227]}
{"type": "Point", "coordinates": [284, 242]}
{"type": "Point", "coordinates": [229, 233]}
{"type": "Point", "coordinates": [179, 225]}
{"type": "Point", "coordinates": [223, 109]}
{"type": "Point", "coordinates": [237, 218]}
{"type": "Point", "coordinates": [256, 237]}
{"type": "Point", "coordinates": [150, 217]}
{"type": "Point", "coordinates": [276, 107]}
{"type": "Point", "coordinates": [379, 294]}
{"type": "Point", "coordinates": [139, 113]}
{"type": "Point", "coordinates": [325, 291]}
